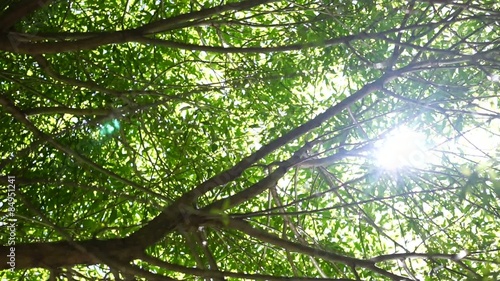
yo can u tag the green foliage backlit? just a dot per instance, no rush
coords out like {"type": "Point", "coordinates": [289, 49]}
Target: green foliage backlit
{"type": "Point", "coordinates": [360, 139]}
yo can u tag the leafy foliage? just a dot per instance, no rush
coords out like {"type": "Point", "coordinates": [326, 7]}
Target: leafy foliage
{"type": "Point", "coordinates": [150, 140]}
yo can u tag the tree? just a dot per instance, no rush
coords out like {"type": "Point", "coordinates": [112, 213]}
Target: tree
{"type": "Point", "coordinates": [250, 140]}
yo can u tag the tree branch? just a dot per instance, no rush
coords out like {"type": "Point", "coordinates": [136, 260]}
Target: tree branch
{"type": "Point", "coordinates": [262, 235]}
{"type": "Point", "coordinates": [171, 216]}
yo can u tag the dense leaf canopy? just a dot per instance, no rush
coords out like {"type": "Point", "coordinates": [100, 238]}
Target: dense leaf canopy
{"type": "Point", "coordinates": [250, 140]}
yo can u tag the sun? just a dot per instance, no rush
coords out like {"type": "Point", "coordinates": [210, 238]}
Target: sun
{"type": "Point", "coordinates": [401, 148]}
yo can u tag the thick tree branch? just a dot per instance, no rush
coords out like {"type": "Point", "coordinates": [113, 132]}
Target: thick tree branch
{"type": "Point", "coordinates": [67, 110]}
{"type": "Point", "coordinates": [172, 215]}
{"type": "Point", "coordinates": [17, 43]}
{"type": "Point", "coordinates": [14, 42]}
{"type": "Point", "coordinates": [58, 254]}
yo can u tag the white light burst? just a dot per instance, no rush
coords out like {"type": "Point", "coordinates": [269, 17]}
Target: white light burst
{"type": "Point", "coordinates": [401, 148]}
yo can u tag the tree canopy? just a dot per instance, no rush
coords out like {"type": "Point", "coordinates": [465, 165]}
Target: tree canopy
{"type": "Point", "coordinates": [250, 140]}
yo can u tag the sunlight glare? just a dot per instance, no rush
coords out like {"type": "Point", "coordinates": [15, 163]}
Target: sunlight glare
{"type": "Point", "coordinates": [401, 148]}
